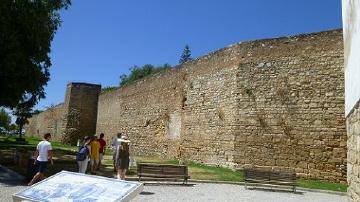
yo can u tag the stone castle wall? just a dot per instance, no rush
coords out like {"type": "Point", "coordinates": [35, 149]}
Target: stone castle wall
{"type": "Point", "coordinates": [273, 102]}
{"type": "Point", "coordinates": [147, 111]}
{"type": "Point", "coordinates": [353, 173]}
{"type": "Point", "coordinates": [73, 119]}
{"type": "Point", "coordinates": [49, 121]}
{"type": "Point", "coordinates": [81, 101]}
{"type": "Point", "coordinates": [276, 102]}
{"type": "Point", "coordinates": [291, 105]}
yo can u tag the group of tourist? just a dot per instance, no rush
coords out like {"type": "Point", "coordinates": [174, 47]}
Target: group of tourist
{"type": "Point", "coordinates": [91, 150]}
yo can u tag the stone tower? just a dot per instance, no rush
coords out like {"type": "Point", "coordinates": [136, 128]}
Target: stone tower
{"type": "Point", "coordinates": [80, 107]}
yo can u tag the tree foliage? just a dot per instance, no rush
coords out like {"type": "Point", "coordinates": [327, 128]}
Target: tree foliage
{"type": "Point", "coordinates": [137, 73]}
{"type": "Point", "coordinates": [23, 111]}
{"type": "Point", "coordinates": [186, 55]}
{"type": "Point", "coordinates": [108, 88]}
{"type": "Point", "coordinates": [5, 119]}
{"type": "Point", "coordinates": [27, 28]}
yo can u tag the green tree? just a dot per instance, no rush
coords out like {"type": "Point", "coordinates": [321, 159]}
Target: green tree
{"type": "Point", "coordinates": [13, 127]}
{"type": "Point", "coordinates": [137, 73]}
{"type": "Point", "coordinates": [23, 111]}
{"type": "Point", "coordinates": [5, 119]}
{"type": "Point", "coordinates": [186, 55]}
{"type": "Point", "coordinates": [27, 28]}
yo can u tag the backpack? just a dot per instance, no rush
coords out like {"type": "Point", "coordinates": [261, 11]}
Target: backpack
{"type": "Point", "coordinates": [82, 154]}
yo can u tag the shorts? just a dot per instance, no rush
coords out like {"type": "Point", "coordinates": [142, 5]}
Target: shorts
{"type": "Point", "coordinates": [123, 163]}
{"type": "Point", "coordinates": [42, 166]}
{"type": "Point", "coordinates": [94, 161]}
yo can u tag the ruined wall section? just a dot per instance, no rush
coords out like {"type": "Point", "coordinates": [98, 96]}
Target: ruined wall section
{"type": "Point", "coordinates": [81, 101]}
{"type": "Point", "coordinates": [287, 96]}
{"type": "Point", "coordinates": [148, 112]}
{"type": "Point", "coordinates": [291, 105]}
{"type": "Point", "coordinates": [186, 113]}
{"type": "Point", "coordinates": [353, 174]}
{"type": "Point", "coordinates": [275, 102]}
{"type": "Point", "coordinates": [48, 121]}
{"type": "Point", "coordinates": [210, 110]}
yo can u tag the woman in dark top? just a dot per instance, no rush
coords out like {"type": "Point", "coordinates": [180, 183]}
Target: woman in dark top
{"type": "Point", "coordinates": [122, 158]}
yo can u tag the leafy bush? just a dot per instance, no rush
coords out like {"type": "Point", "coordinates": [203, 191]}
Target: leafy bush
{"type": "Point", "coordinates": [108, 89]}
{"type": "Point", "coordinates": [137, 73]}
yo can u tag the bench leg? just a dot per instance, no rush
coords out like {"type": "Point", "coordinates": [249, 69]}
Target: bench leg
{"type": "Point", "coordinates": [294, 189]}
{"type": "Point", "coordinates": [245, 185]}
{"type": "Point", "coordinates": [185, 181]}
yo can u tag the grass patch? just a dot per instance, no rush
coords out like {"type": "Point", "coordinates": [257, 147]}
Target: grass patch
{"type": "Point", "coordinates": [31, 143]}
{"type": "Point", "coordinates": [203, 172]}
{"type": "Point", "coordinates": [145, 159]}
{"type": "Point", "coordinates": [317, 184]}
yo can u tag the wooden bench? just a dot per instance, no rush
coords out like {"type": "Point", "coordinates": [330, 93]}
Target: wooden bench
{"type": "Point", "coordinates": [162, 171]}
{"type": "Point", "coordinates": [259, 176]}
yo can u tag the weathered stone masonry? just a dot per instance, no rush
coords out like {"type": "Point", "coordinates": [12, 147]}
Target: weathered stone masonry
{"type": "Point", "coordinates": [353, 130]}
{"type": "Point", "coordinates": [50, 120]}
{"type": "Point", "coordinates": [274, 102]}
{"type": "Point", "coordinates": [149, 112]}
{"type": "Point", "coordinates": [73, 119]}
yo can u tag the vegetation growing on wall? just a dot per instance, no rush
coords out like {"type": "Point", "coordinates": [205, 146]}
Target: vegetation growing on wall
{"type": "Point", "coordinates": [137, 73]}
{"type": "Point", "coordinates": [108, 89]}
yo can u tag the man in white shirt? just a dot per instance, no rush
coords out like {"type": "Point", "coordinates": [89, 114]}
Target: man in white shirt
{"type": "Point", "coordinates": [43, 155]}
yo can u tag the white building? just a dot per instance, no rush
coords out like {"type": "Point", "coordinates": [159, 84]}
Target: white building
{"type": "Point", "coordinates": [351, 28]}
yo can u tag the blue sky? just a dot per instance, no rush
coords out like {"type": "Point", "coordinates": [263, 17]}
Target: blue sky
{"type": "Point", "coordinates": [100, 40]}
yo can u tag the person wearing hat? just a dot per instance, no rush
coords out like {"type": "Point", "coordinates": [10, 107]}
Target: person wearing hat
{"type": "Point", "coordinates": [122, 157]}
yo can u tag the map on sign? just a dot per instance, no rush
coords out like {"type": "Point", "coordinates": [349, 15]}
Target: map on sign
{"type": "Point", "coordinates": [70, 186]}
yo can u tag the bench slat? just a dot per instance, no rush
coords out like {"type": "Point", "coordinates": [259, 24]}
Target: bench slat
{"type": "Point", "coordinates": [163, 171]}
{"type": "Point", "coordinates": [161, 176]}
{"type": "Point", "coordinates": [269, 177]}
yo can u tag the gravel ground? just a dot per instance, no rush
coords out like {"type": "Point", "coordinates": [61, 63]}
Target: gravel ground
{"type": "Point", "coordinates": [11, 182]}
{"type": "Point", "coordinates": [6, 191]}
{"type": "Point", "coordinates": [228, 192]}
{"type": "Point", "coordinates": [207, 192]}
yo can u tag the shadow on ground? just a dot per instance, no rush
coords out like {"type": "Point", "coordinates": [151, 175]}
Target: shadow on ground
{"type": "Point", "coordinates": [147, 193]}
{"type": "Point", "coordinates": [10, 178]}
{"type": "Point", "coordinates": [168, 184]}
{"type": "Point", "coordinates": [271, 189]}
